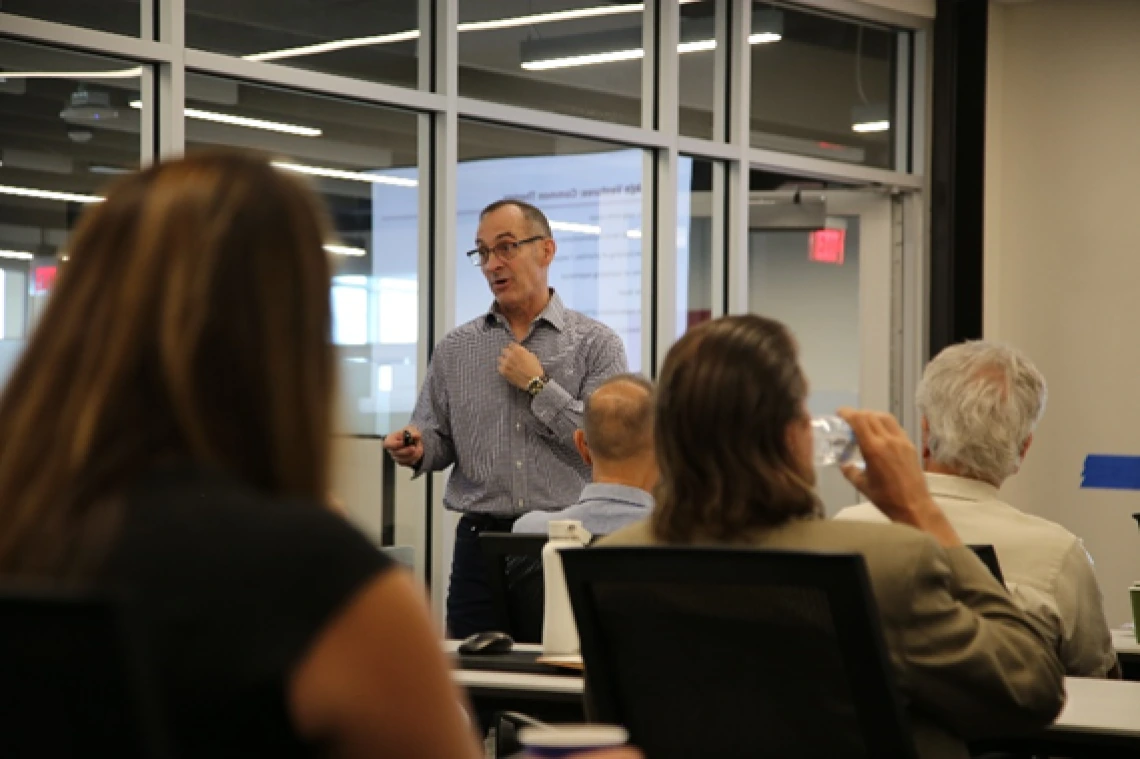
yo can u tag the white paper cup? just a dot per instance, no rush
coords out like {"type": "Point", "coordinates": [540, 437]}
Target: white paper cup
{"type": "Point", "coordinates": [567, 740]}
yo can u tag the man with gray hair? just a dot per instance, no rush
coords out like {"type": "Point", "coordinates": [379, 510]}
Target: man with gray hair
{"type": "Point", "coordinates": [617, 442]}
{"type": "Point", "coordinates": [980, 403]}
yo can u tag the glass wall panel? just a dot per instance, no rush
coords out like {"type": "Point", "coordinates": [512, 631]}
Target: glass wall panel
{"type": "Point", "coordinates": [699, 49]}
{"type": "Point", "coordinates": [822, 86]}
{"type": "Point", "coordinates": [377, 41]}
{"type": "Point", "coordinates": [591, 193]}
{"type": "Point", "coordinates": [578, 57]}
{"type": "Point", "coordinates": [362, 160]}
{"type": "Point", "coordinates": [700, 209]}
{"type": "Point", "coordinates": [62, 136]}
{"type": "Point", "coordinates": [128, 17]}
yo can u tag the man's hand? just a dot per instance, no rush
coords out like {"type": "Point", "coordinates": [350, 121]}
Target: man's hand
{"type": "Point", "coordinates": [405, 455]}
{"type": "Point", "coordinates": [893, 479]}
{"type": "Point", "coordinates": [519, 366]}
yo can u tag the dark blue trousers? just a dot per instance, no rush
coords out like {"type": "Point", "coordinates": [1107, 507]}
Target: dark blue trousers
{"type": "Point", "coordinates": [469, 606]}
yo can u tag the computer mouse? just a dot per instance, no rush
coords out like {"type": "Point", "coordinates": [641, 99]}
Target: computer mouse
{"type": "Point", "coordinates": [489, 642]}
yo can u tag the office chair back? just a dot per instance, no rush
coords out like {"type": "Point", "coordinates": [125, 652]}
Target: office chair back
{"type": "Point", "coordinates": [737, 653]}
{"type": "Point", "coordinates": [72, 680]}
{"type": "Point", "coordinates": [514, 573]}
{"type": "Point", "coordinates": [989, 557]}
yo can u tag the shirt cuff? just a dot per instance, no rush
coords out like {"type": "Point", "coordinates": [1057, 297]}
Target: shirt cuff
{"type": "Point", "coordinates": [552, 399]}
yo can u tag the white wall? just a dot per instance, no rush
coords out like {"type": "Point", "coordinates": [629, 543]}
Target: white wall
{"type": "Point", "coordinates": [1062, 267]}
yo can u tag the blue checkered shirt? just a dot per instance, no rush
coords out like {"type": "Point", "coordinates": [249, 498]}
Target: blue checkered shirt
{"type": "Point", "coordinates": [513, 453]}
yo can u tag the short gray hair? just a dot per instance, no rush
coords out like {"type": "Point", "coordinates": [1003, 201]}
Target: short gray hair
{"type": "Point", "coordinates": [982, 401]}
{"type": "Point", "coordinates": [619, 427]}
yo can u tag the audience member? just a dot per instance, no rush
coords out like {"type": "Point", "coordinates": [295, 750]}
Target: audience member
{"type": "Point", "coordinates": [168, 438]}
{"type": "Point", "coordinates": [617, 442]}
{"type": "Point", "coordinates": [734, 443]}
{"type": "Point", "coordinates": [980, 403]}
{"type": "Point", "coordinates": [502, 399]}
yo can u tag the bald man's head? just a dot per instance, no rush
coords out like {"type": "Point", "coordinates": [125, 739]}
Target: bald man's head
{"type": "Point", "coordinates": [619, 418]}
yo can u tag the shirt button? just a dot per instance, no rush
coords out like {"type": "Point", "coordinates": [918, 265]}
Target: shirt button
{"type": "Point", "coordinates": [518, 465]}
{"type": "Point", "coordinates": [520, 503]}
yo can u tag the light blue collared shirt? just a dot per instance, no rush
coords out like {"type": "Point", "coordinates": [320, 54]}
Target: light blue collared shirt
{"type": "Point", "coordinates": [602, 508]}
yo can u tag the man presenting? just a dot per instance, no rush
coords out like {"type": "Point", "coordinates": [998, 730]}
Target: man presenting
{"type": "Point", "coordinates": [503, 396]}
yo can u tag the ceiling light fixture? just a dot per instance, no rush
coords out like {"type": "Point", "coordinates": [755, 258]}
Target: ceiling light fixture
{"type": "Point", "coordinates": [118, 74]}
{"type": "Point", "coordinates": [344, 250]}
{"type": "Point", "coordinates": [533, 19]}
{"type": "Point", "coordinates": [352, 176]}
{"type": "Point", "coordinates": [31, 192]}
{"type": "Point", "coordinates": [871, 117]}
{"type": "Point", "coordinates": [571, 226]}
{"type": "Point", "coordinates": [19, 255]}
{"type": "Point", "coordinates": [244, 121]}
{"type": "Point", "coordinates": [623, 44]}
{"type": "Point", "coordinates": [633, 234]}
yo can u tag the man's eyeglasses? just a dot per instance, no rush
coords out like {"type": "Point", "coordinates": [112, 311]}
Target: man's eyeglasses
{"type": "Point", "coordinates": [505, 250]}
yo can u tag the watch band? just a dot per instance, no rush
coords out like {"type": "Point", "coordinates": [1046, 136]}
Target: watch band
{"type": "Point", "coordinates": [535, 386]}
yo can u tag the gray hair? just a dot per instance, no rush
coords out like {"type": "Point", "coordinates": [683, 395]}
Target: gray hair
{"type": "Point", "coordinates": [620, 427]}
{"type": "Point", "coordinates": [981, 401]}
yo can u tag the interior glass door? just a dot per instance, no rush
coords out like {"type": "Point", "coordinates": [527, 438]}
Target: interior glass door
{"type": "Point", "coordinates": [819, 260]}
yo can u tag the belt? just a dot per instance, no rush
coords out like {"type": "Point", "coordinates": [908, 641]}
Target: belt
{"type": "Point", "coordinates": [483, 522]}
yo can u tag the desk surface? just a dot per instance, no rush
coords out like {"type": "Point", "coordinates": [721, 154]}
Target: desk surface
{"type": "Point", "coordinates": [1094, 707]}
{"type": "Point", "coordinates": [1124, 641]}
{"type": "Point", "coordinates": [1101, 707]}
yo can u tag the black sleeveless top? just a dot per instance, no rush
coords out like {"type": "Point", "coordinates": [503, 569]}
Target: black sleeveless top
{"type": "Point", "coordinates": [230, 589]}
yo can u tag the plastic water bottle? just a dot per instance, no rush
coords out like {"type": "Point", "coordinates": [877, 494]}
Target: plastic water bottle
{"type": "Point", "coordinates": [834, 442]}
{"type": "Point", "coordinates": [559, 633]}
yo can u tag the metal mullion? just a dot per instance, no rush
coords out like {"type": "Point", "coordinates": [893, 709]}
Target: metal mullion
{"type": "Point", "coordinates": [88, 40]}
{"type": "Point", "coordinates": [170, 117]}
{"type": "Point", "coordinates": [699, 148]}
{"type": "Point", "coordinates": [572, 126]}
{"type": "Point", "coordinates": [833, 170]}
{"type": "Point", "coordinates": [721, 73]}
{"type": "Point", "coordinates": [313, 82]}
{"type": "Point", "coordinates": [659, 262]}
{"type": "Point", "coordinates": [739, 133]}
{"type": "Point", "coordinates": [901, 121]}
{"type": "Point", "coordinates": [653, 52]}
{"type": "Point", "coordinates": [719, 205]}
{"type": "Point", "coordinates": [439, 535]}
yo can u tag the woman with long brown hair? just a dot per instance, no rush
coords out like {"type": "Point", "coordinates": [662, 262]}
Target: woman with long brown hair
{"type": "Point", "coordinates": [166, 436]}
{"type": "Point", "coordinates": [734, 446]}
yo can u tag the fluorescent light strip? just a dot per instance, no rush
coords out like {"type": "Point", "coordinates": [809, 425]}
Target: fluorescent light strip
{"type": "Point", "coordinates": [328, 47]}
{"type": "Point", "coordinates": [633, 234]}
{"type": "Point", "coordinates": [344, 250]}
{"type": "Point", "coordinates": [17, 254]}
{"type": "Point", "coordinates": [31, 192]}
{"type": "Point", "coordinates": [696, 47]}
{"type": "Point", "coordinates": [533, 19]}
{"type": "Point", "coordinates": [630, 55]}
{"type": "Point", "coordinates": [352, 176]}
{"type": "Point", "coordinates": [571, 226]}
{"type": "Point", "coordinates": [871, 126]}
{"type": "Point", "coordinates": [244, 121]}
{"type": "Point", "coordinates": [118, 74]}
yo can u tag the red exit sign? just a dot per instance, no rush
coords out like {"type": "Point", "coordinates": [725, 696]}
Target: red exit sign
{"type": "Point", "coordinates": [826, 246]}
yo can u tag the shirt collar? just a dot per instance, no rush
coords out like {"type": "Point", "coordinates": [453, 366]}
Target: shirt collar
{"type": "Point", "coordinates": [609, 491]}
{"type": "Point", "coordinates": [554, 314]}
{"type": "Point", "coordinates": [961, 488]}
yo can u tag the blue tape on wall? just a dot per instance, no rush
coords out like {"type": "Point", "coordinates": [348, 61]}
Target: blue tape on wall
{"type": "Point", "coordinates": [1111, 472]}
